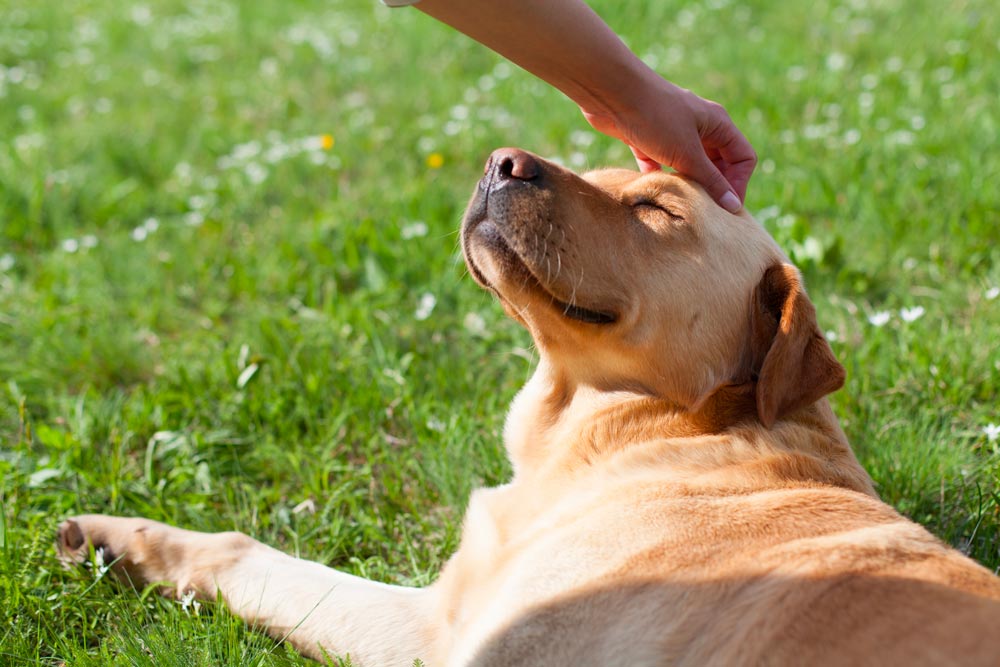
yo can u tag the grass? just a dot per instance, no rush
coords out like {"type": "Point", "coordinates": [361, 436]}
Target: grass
{"type": "Point", "coordinates": [211, 316]}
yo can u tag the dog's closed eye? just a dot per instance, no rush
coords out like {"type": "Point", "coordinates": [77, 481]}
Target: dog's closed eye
{"type": "Point", "coordinates": [650, 207]}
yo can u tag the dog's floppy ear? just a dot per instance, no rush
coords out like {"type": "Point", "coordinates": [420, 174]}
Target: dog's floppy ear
{"type": "Point", "coordinates": [792, 360]}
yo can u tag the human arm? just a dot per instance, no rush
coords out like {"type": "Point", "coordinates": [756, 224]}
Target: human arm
{"type": "Point", "coordinates": [567, 45]}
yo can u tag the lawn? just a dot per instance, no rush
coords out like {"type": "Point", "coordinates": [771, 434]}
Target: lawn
{"type": "Point", "coordinates": [231, 294]}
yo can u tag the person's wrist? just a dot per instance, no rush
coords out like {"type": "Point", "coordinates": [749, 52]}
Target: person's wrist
{"type": "Point", "coordinates": [623, 86]}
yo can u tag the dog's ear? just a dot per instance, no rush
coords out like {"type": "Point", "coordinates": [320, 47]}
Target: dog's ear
{"type": "Point", "coordinates": [792, 360]}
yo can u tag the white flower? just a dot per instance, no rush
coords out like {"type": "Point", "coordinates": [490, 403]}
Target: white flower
{"type": "Point", "coordinates": [474, 324]}
{"type": "Point", "coordinates": [426, 306]}
{"type": "Point", "coordinates": [255, 172]}
{"type": "Point", "coordinates": [901, 138]}
{"type": "Point", "coordinates": [198, 202]}
{"type": "Point", "coordinates": [943, 74]}
{"type": "Point", "coordinates": [992, 432]}
{"type": "Point", "coordinates": [487, 83]}
{"type": "Point", "coordinates": [194, 219]}
{"type": "Point", "coordinates": [141, 15]}
{"type": "Point", "coordinates": [413, 230]}
{"type": "Point", "coordinates": [187, 600]}
{"type": "Point", "coordinates": [911, 314]}
{"type": "Point", "coordinates": [6, 262]}
{"type": "Point", "coordinates": [836, 61]}
{"type": "Point", "coordinates": [139, 234]}
{"type": "Point", "coordinates": [880, 318]}
{"type": "Point", "coordinates": [314, 143]}
{"type": "Point", "coordinates": [100, 567]}
{"type": "Point", "coordinates": [151, 225]}
{"type": "Point", "coordinates": [436, 425]}
{"type": "Point", "coordinates": [70, 245]}
{"type": "Point", "coordinates": [765, 214]}
{"type": "Point", "coordinates": [991, 293]}
{"type": "Point", "coordinates": [796, 73]}
{"type": "Point", "coordinates": [581, 138]}
{"type": "Point", "coordinates": [243, 152]}
{"type": "Point", "coordinates": [502, 70]}
{"type": "Point", "coordinates": [88, 241]}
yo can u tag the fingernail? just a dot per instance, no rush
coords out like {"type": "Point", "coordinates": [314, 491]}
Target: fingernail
{"type": "Point", "coordinates": [731, 202]}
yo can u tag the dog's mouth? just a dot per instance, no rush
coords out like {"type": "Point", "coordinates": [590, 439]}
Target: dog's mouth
{"type": "Point", "coordinates": [514, 266]}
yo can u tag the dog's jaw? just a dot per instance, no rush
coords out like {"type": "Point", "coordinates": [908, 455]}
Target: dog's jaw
{"type": "Point", "coordinates": [495, 229]}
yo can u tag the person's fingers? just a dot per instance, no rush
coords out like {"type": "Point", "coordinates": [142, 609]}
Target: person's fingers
{"type": "Point", "coordinates": [739, 174]}
{"type": "Point", "coordinates": [728, 149]}
{"type": "Point", "coordinates": [718, 187]}
{"type": "Point", "coordinates": [647, 165]}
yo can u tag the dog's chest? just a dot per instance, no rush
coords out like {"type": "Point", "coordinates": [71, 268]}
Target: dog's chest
{"type": "Point", "coordinates": [520, 549]}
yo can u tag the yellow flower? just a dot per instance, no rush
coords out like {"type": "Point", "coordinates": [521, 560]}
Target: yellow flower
{"type": "Point", "coordinates": [435, 160]}
{"type": "Point", "coordinates": [326, 142]}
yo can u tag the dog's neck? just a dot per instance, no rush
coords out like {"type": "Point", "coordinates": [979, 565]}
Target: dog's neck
{"type": "Point", "coordinates": [558, 428]}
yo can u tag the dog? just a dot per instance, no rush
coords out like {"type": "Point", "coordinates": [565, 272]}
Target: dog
{"type": "Point", "coordinates": [682, 491]}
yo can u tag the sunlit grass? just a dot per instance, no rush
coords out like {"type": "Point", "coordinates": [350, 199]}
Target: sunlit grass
{"type": "Point", "coordinates": [231, 295]}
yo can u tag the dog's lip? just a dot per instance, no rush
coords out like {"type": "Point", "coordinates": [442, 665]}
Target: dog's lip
{"type": "Point", "coordinates": [570, 310]}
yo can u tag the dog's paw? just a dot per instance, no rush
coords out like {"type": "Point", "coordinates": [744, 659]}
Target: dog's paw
{"type": "Point", "coordinates": [136, 550]}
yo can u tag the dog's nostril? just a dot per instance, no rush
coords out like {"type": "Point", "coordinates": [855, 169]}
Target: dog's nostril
{"type": "Point", "coordinates": [511, 163]}
{"type": "Point", "coordinates": [506, 168]}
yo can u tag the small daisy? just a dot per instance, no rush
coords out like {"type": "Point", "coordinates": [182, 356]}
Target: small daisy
{"type": "Point", "coordinates": [474, 324]}
{"type": "Point", "coordinates": [413, 230]}
{"type": "Point", "coordinates": [992, 432]}
{"type": "Point", "coordinates": [911, 314]}
{"type": "Point", "coordinates": [880, 318]}
{"type": "Point", "coordinates": [100, 567]}
{"type": "Point", "coordinates": [426, 306]}
{"type": "Point", "coordinates": [187, 601]}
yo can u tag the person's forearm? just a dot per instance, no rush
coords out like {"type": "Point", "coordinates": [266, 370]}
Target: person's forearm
{"type": "Point", "coordinates": [560, 41]}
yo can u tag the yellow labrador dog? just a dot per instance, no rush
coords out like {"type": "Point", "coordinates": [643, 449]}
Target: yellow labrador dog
{"type": "Point", "coordinates": [683, 494]}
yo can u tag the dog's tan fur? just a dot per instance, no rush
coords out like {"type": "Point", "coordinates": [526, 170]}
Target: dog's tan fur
{"type": "Point", "coordinates": [682, 493]}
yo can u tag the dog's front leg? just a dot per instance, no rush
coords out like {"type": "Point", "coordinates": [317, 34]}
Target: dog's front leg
{"type": "Point", "coordinates": [314, 607]}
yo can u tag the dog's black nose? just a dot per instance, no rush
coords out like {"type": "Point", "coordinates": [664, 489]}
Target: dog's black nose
{"type": "Point", "coordinates": [511, 163]}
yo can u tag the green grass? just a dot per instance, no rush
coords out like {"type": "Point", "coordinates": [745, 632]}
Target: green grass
{"type": "Point", "coordinates": [207, 319]}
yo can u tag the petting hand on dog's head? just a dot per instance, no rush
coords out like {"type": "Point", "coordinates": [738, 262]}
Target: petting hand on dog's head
{"type": "Point", "coordinates": [667, 125]}
{"type": "Point", "coordinates": [566, 44]}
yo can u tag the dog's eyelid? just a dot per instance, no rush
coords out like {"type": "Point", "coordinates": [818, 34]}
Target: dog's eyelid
{"type": "Point", "coordinates": [638, 203]}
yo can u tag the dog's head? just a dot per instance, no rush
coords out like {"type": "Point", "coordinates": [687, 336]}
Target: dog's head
{"type": "Point", "coordinates": [642, 283]}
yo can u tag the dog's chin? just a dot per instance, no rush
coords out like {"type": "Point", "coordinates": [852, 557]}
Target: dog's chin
{"type": "Point", "coordinates": [487, 253]}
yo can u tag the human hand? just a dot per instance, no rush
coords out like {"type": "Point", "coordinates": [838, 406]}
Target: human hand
{"type": "Point", "coordinates": [664, 124]}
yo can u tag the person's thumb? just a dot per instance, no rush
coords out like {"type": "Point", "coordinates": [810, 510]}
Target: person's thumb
{"type": "Point", "coordinates": [710, 178]}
